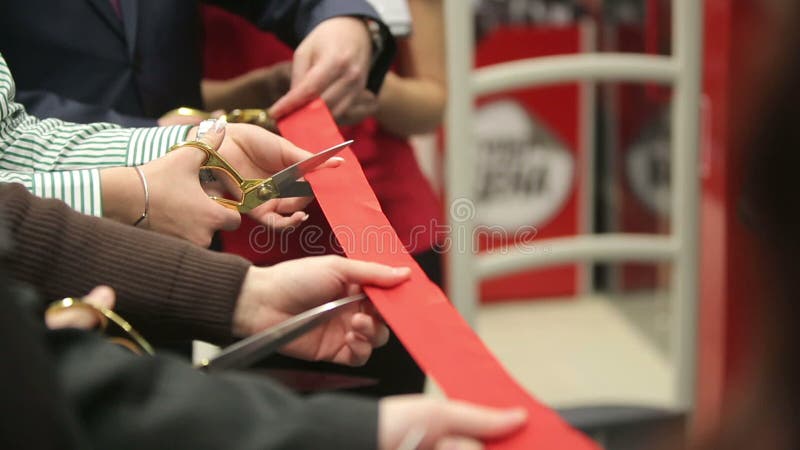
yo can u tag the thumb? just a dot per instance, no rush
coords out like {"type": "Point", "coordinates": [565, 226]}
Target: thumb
{"type": "Point", "coordinates": [212, 132]}
{"type": "Point", "coordinates": [463, 419]}
{"type": "Point", "coordinates": [101, 296]}
{"type": "Point", "coordinates": [362, 272]}
{"type": "Point", "coordinates": [83, 318]}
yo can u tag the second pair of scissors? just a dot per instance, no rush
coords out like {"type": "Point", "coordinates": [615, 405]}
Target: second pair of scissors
{"type": "Point", "coordinates": [256, 191]}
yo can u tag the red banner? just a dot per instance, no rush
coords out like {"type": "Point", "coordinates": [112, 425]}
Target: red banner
{"type": "Point", "coordinates": [421, 316]}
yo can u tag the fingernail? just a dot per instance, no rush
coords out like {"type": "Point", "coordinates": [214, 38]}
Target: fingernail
{"type": "Point", "coordinates": [518, 414]}
{"type": "Point", "coordinates": [219, 125]}
{"type": "Point", "coordinates": [305, 218]}
{"type": "Point", "coordinates": [104, 291]}
{"type": "Point", "coordinates": [337, 159]}
{"type": "Point", "coordinates": [204, 126]}
{"type": "Point", "coordinates": [401, 271]}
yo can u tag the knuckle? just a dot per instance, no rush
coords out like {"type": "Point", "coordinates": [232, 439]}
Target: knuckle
{"type": "Point", "coordinates": [202, 240]}
{"type": "Point", "coordinates": [234, 220]}
{"type": "Point", "coordinates": [223, 218]}
{"type": "Point", "coordinates": [336, 263]}
{"type": "Point", "coordinates": [313, 87]}
{"type": "Point", "coordinates": [342, 59]}
{"type": "Point", "coordinates": [330, 259]}
{"type": "Point", "coordinates": [353, 73]}
{"type": "Point", "coordinates": [437, 407]}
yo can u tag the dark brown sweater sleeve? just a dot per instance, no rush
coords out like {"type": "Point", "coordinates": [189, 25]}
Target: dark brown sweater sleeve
{"type": "Point", "coordinates": [167, 288]}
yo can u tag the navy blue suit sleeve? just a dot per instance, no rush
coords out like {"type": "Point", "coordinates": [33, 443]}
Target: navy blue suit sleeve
{"type": "Point", "coordinates": [45, 104]}
{"type": "Point", "coordinates": [293, 21]}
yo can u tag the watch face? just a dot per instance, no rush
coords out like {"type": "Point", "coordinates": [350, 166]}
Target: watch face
{"type": "Point", "coordinates": [395, 15]}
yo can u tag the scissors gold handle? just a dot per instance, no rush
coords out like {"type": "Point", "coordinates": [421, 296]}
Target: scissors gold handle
{"type": "Point", "coordinates": [136, 343]}
{"type": "Point", "coordinates": [253, 116]}
{"type": "Point", "coordinates": [254, 191]}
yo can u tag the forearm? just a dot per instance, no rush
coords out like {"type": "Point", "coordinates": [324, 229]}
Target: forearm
{"type": "Point", "coordinates": [408, 106]}
{"type": "Point", "coordinates": [131, 402]}
{"type": "Point", "coordinates": [44, 155]}
{"type": "Point", "coordinates": [414, 101]}
{"type": "Point", "coordinates": [168, 288]}
{"type": "Point", "coordinates": [47, 156]}
{"type": "Point", "coordinates": [123, 194]}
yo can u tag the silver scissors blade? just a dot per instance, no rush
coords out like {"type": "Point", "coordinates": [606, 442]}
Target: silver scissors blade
{"type": "Point", "coordinates": [290, 174]}
{"type": "Point", "coordinates": [247, 351]}
{"type": "Point", "coordinates": [297, 189]}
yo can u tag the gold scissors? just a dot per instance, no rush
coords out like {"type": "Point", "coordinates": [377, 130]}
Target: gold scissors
{"type": "Point", "coordinates": [254, 192]}
{"type": "Point", "coordinates": [135, 342]}
{"type": "Point", "coordinates": [239, 355]}
{"type": "Point", "coordinates": [253, 116]}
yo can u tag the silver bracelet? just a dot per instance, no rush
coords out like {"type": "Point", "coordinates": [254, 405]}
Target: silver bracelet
{"type": "Point", "coordinates": [146, 196]}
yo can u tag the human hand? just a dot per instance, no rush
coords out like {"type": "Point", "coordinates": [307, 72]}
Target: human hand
{"type": "Point", "coordinates": [270, 295]}
{"type": "Point", "coordinates": [257, 153]}
{"type": "Point", "coordinates": [178, 204]}
{"type": "Point", "coordinates": [442, 424]}
{"type": "Point", "coordinates": [332, 62]}
{"type": "Point", "coordinates": [101, 297]}
{"type": "Point", "coordinates": [275, 82]}
{"type": "Point", "coordinates": [266, 85]}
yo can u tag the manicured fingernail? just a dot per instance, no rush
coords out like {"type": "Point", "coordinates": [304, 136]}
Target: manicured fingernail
{"type": "Point", "coordinates": [219, 125]}
{"type": "Point", "coordinates": [304, 218]}
{"type": "Point", "coordinates": [401, 271]}
{"type": "Point", "coordinates": [204, 126]}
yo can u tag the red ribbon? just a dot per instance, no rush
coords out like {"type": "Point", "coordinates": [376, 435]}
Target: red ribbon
{"type": "Point", "coordinates": [435, 334]}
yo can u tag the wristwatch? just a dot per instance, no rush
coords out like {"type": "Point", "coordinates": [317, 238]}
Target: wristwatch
{"type": "Point", "coordinates": [376, 36]}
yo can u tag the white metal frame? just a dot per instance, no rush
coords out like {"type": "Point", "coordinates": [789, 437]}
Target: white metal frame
{"type": "Point", "coordinates": [682, 70]}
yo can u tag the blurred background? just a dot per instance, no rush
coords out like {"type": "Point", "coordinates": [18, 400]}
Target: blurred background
{"type": "Point", "coordinates": [627, 314]}
{"type": "Point", "coordinates": [600, 129]}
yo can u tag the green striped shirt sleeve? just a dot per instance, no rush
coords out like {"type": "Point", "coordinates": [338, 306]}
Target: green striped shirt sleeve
{"type": "Point", "coordinates": [57, 159]}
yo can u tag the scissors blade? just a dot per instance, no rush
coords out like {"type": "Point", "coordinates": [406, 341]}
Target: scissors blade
{"type": "Point", "coordinates": [297, 189]}
{"type": "Point", "coordinates": [298, 169]}
{"type": "Point", "coordinates": [247, 351]}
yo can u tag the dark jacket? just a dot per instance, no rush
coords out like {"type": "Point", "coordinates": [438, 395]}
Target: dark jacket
{"type": "Point", "coordinates": [69, 389]}
{"type": "Point", "coordinates": [79, 61]}
{"type": "Point", "coordinates": [159, 280]}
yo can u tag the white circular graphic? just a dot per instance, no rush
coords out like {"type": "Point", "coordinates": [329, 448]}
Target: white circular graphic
{"type": "Point", "coordinates": [647, 165]}
{"type": "Point", "coordinates": [524, 174]}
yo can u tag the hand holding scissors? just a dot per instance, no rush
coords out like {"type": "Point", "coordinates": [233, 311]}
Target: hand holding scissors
{"type": "Point", "coordinates": [260, 172]}
{"type": "Point", "coordinates": [280, 292]}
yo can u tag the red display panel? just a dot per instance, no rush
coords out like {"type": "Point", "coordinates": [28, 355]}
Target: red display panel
{"type": "Point", "coordinates": [530, 161]}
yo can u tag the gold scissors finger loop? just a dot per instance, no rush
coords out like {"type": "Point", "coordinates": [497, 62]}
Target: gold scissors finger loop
{"type": "Point", "coordinates": [136, 343]}
{"type": "Point", "coordinates": [256, 191]}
